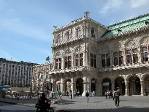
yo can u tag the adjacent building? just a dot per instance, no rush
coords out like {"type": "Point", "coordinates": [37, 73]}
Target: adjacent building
{"type": "Point", "coordinates": [16, 74]}
{"type": "Point", "coordinates": [89, 56]}
{"type": "Point", "coordinates": [41, 78]}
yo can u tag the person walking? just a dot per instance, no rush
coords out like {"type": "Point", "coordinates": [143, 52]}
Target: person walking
{"type": "Point", "coordinates": [87, 96]}
{"type": "Point", "coordinates": [116, 97]}
{"type": "Point", "coordinates": [70, 94]}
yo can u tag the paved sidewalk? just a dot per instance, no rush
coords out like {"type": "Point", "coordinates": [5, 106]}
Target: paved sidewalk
{"type": "Point", "coordinates": [100, 104]}
{"type": "Point", "coordinates": [96, 104]}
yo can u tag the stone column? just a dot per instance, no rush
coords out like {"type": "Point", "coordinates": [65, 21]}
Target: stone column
{"type": "Point", "coordinates": [88, 84]}
{"type": "Point", "coordinates": [142, 87]}
{"type": "Point", "coordinates": [84, 58]}
{"type": "Point", "coordinates": [53, 84]}
{"type": "Point", "coordinates": [113, 84]}
{"type": "Point", "coordinates": [139, 55]}
{"type": "Point", "coordinates": [72, 60]}
{"type": "Point", "coordinates": [62, 85]}
{"type": "Point", "coordinates": [84, 85]}
{"type": "Point", "coordinates": [62, 63]}
{"type": "Point", "coordinates": [124, 57]}
{"type": "Point", "coordinates": [126, 88]}
{"type": "Point", "coordinates": [72, 86]}
{"type": "Point", "coordinates": [99, 87]}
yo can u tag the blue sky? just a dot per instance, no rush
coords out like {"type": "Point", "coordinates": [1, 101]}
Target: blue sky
{"type": "Point", "coordinates": [26, 26]}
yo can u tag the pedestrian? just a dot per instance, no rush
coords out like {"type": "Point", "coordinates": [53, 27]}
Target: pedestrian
{"type": "Point", "coordinates": [70, 94]}
{"type": "Point", "coordinates": [106, 94]}
{"type": "Point", "coordinates": [87, 96]}
{"type": "Point", "coordinates": [116, 97]}
{"type": "Point", "coordinates": [93, 93]}
{"type": "Point", "coordinates": [113, 93]}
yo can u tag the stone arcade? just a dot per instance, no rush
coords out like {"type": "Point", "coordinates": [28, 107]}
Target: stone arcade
{"type": "Point", "coordinates": [88, 56]}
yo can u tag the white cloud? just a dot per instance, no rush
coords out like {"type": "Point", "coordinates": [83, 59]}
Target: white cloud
{"type": "Point", "coordinates": [138, 3]}
{"type": "Point", "coordinates": [25, 29]}
{"type": "Point", "coordinates": [110, 5]}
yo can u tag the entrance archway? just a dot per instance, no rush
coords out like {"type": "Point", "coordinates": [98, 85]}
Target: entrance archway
{"type": "Point", "coordinates": [67, 86]}
{"type": "Point", "coordinates": [134, 86]}
{"type": "Point", "coordinates": [146, 85]}
{"type": "Point", "coordinates": [79, 86]}
{"type": "Point", "coordinates": [106, 85]}
{"type": "Point", "coordinates": [93, 85]}
{"type": "Point", "coordinates": [119, 82]}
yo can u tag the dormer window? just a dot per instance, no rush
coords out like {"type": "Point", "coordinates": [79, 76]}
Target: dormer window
{"type": "Point", "coordinates": [92, 32]}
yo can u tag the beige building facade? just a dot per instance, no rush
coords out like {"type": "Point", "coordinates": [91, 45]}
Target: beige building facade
{"type": "Point", "coordinates": [88, 56]}
{"type": "Point", "coordinates": [18, 75]}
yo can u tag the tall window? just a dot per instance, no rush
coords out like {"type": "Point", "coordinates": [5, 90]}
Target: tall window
{"type": "Point", "coordinates": [67, 35]}
{"type": "Point", "coordinates": [108, 60]}
{"type": "Point", "coordinates": [144, 54]}
{"type": "Point", "coordinates": [67, 62]}
{"type": "Point", "coordinates": [79, 59]}
{"type": "Point", "coordinates": [115, 58]}
{"type": "Point", "coordinates": [103, 58]}
{"type": "Point", "coordinates": [93, 60]}
{"type": "Point", "coordinates": [120, 58]}
{"type": "Point", "coordinates": [57, 39]}
{"type": "Point", "coordinates": [135, 56]}
{"type": "Point", "coordinates": [78, 32]}
{"type": "Point", "coordinates": [58, 63]}
{"type": "Point", "coordinates": [92, 32]}
{"type": "Point", "coordinates": [128, 57]}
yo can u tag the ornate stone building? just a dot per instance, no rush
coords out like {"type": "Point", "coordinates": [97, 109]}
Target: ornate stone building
{"type": "Point", "coordinates": [88, 56]}
{"type": "Point", "coordinates": [41, 77]}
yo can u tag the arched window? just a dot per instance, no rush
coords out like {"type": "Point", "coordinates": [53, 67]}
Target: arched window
{"type": "Point", "coordinates": [57, 39]}
{"type": "Point", "coordinates": [144, 54]}
{"type": "Point", "coordinates": [92, 32]}
{"type": "Point", "coordinates": [79, 59]}
{"type": "Point", "coordinates": [93, 60]}
{"type": "Point", "coordinates": [135, 56]}
{"type": "Point", "coordinates": [78, 32]}
{"type": "Point", "coordinates": [115, 58]}
{"type": "Point", "coordinates": [67, 35]}
{"type": "Point", "coordinates": [128, 57]}
{"type": "Point", "coordinates": [67, 61]}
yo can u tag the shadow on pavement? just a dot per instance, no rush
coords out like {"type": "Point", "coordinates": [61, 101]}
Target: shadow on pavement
{"type": "Point", "coordinates": [65, 102]}
{"type": "Point", "coordinates": [119, 109]}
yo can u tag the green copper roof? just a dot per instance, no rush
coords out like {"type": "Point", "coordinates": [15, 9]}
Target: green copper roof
{"type": "Point", "coordinates": [127, 26]}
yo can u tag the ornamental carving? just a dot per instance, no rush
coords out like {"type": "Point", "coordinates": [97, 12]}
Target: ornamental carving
{"type": "Point", "coordinates": [144, 41]}
{"type": "Point", "coordinates": [68, 51]}
{"type": "Point", "coordinates": [57, 54]}
{"type": "Point", "coordinates": [132, 43]}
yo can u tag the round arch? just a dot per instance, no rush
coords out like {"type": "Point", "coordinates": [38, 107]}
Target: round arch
{"type": "Point", "coordinates": [79, 86]}
{"type": "Point", "coordinates": [146, 84]}
{"type": "Point", "coordinates": [93, 85]}
{"type": "Point", "coordinates": [67, 86]}
{"type": "Point", "coordinates": [134, 85]}
{"type": "Point", "coordinates": [119, 82]}
{"type": "Point", "coordinates": [106, 85]}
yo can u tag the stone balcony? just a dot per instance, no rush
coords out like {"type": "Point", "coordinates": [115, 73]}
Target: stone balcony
{"type": "Point", "coordinates": [73, 69]}
{"type": "Point", "coordinates": [130, 66]}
